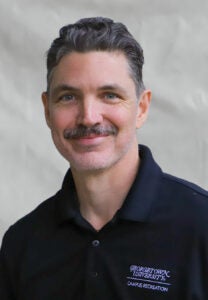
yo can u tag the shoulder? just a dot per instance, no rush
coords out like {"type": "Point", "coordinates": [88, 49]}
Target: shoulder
{"type": "Point", "coordinates": [43, 220]}
{"type": "Point", "coordinates": [38, 219]}
{"type": "Point", "coordinates": [183, 187]}
{"type": "Point", "coordinates": [185, 201]}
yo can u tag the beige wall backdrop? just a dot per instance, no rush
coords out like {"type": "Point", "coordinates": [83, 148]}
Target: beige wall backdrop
{"type": "Point", "coordinates": [174, 36]}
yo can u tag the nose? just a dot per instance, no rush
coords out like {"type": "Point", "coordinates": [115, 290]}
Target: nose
{"type": "Point", "coordinates": [90, 112]}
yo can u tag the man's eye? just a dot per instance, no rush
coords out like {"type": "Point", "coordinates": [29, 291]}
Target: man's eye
{"type": "Point", "coordinates": [67, 97]}
{"type": "Point", "coordinates": [111, 96]}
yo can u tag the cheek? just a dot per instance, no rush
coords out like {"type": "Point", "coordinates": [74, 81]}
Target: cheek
{"type": "Point", "coordinates": [125, 119]}
{"type": "Point", "coordinates": [61, 119]}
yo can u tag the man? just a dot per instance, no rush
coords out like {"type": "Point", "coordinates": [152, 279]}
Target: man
{"type": "Point", "coordinates": [119, 228]}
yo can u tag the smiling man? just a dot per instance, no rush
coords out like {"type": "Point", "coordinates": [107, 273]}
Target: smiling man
{"type": "Point", "coordinates": [119, 228]}
{"type": "Point", "coordinates": [93, 109]}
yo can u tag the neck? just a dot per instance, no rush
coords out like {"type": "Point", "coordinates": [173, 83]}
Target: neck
{"type": "Point", "coordinates": [102, 193]}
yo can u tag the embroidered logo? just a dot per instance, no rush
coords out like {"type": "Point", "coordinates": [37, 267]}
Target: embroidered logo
{"type": "Point", "coordinates": [149, 278]}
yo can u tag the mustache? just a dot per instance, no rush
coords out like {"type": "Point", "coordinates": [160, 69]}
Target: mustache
{"type": "Point", "coordinates": [84, 131]}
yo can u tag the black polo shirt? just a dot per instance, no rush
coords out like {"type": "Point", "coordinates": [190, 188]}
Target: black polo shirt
{"type": "Point", "coordinates": [155, 247]}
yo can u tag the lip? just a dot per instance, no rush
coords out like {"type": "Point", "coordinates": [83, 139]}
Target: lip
{"type": "Point", "coordinates": [91, 140]}
{"type": "Point", "coordinates": [92, 136]}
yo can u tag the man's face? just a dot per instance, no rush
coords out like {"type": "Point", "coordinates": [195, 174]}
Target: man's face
{"type": "Point", "coordinates": [93, 110]}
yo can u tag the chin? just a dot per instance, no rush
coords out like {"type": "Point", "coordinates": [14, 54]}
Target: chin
{"type": "Point", "coordinates": [88, 166]}
{"type": "Point", "coordinates": [93, 160]}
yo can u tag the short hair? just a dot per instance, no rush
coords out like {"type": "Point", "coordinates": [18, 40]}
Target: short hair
{"type": "Point", "coordinates": [97, 34]}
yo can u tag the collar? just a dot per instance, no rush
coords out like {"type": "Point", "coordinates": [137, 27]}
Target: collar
{"type": "Point", "coordinates": [138, 203]}
{"type": "Point", "coordinates": [67, 206]}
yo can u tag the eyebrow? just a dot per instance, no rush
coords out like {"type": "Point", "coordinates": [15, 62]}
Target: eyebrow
{"type": "Point", "coordinates": [62, 88]}
{"type": "Point", "coordinates": [107, 87]}
{"type": "Point", "coordinates": [112, 87]}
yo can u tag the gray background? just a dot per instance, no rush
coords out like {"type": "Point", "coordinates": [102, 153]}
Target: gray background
{"type": "Point", "coordinates": [174, 36]}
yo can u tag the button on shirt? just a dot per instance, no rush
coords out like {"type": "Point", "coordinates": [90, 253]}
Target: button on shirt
{"type": "Point", "coordinates": [155, 247]}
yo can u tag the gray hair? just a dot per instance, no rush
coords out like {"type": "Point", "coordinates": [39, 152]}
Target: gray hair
{"type": "Point", "coordinates": [97, 34]}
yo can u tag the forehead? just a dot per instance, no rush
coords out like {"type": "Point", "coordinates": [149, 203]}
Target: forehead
{"type": "Point", "coordinates": [100, 67]}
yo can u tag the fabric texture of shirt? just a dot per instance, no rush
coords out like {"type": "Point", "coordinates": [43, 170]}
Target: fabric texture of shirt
{"type": "Point", "coordinates": [155, 247]}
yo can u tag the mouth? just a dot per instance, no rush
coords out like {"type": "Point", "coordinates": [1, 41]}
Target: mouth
{"type": "Point", "coordinates": [91, 136]}
{"type": "Point", "coordinates": [90, 142]}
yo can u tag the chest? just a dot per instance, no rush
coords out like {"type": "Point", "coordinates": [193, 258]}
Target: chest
{"type": "Point", "coordinates": [129, 261]}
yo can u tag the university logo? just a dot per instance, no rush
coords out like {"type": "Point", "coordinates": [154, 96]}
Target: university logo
{"type": "Point", "coordinates": [149, 278]}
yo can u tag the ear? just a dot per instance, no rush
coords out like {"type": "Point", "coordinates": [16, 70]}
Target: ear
{"type": "Point", "coordinates": [143, 107]}
{"type": "Point", "coordinates": [45, 101]}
